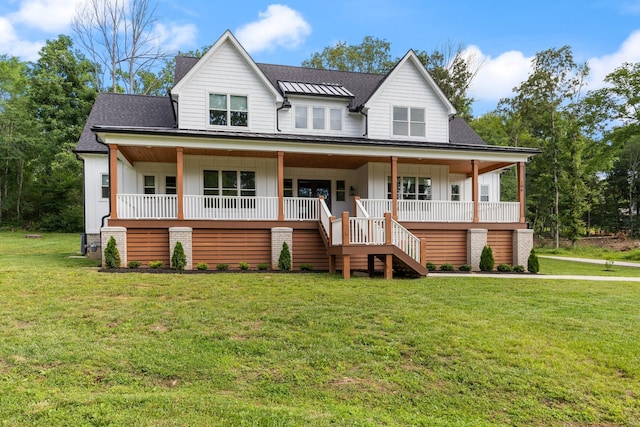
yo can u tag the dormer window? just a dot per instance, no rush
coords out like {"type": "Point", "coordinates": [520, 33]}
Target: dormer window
{"type": "Point", "coordinates": [228, 110]}
{"type": "Point", "coordinates": [408, 121]}
{"type": "Point", "coordinates": [318, 118]}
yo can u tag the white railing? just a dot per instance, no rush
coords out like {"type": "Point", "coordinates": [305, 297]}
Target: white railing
{"type": "Point", "coordinates": [405, 240]}
{"type": "Point", "coordinates": [151, 206]}
{"type": "Point", "coordinates": [376, 207]}
{"type": "Point", "coordinates": [231, 207]}
{"type": "Point", "coordinates": [435, 211]}
{"type": "Point", "coordinates": [499, 211]}
{"type": "Point", "coordinates": [336, 232]}
{"type": "Point", "coordinates": [361, 211]}
{"type": "Point", "coordinates": [300, 208]}
{"type": "Point", "coordinates": [367, 231]}
{"type": "Point", "coordinates": [325, 217]}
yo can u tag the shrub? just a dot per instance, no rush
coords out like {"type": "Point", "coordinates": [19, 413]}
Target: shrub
{"type": "Point", "coordinates": [431, 266]}
{"type": "Point", "coordinates": [202, 266]}
{"type": "Point", "coordinates": [533, 265]}
{"type": "Point", "coordinates": [111, 254]}
{"type": "Point", "coordinates": [306, 267]}
{"type": "Point", "coordinates": [447, 267]}
{"type": "Point", "coordinates": [505, 268]}
{"type": "Point", "coordinates": [263, 266]}
{"type": "Point", "coordinates": [222, 267]}
{"type": "Point", "coordinates": [243, 265]}
{"type": "Point", "coordinates": [156, 264]}
{"type": "Point", "coordinates": [178, 259]}
{"type": "Point", "coordinates": [465, 267]}
{"type": "Point", "coordinates": [518, 268]}
{"type": "Point", "coordinates": [486, 259]}
{"type": "Point", "coordinates": [134, 264]}
{"type": "Point", "coordinates": [284, 262]}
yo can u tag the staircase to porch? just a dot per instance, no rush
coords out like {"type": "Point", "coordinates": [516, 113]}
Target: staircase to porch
{"type": "Point", "coordinates": [382, 238]}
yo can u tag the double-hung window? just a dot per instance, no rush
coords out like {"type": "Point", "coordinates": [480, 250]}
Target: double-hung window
{"type": "Point", "coordinates": [409, 121]}
{"type": "Point", "coordinates": [411, 188]}
{"type": "Point", "coordinates": [229, 183]}
{"type": "Point", "coordinates": [484, 193]}
{"type": "Point", "coordinates": [105, 186]}
{"type": "Point", "coordinates": [318, 118]}
{"type": "Point", "coordinates": [149, 184]}
{"type": "Point", "coordinates": [228, 110]}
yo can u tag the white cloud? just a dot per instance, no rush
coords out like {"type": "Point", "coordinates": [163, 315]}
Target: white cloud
{"type": "Point", "coordinates": [174, 37]}
{"type": "Point", "coordinates": [278, 26]}
{"type": "Point", "coordinates": [498, 76]}
{"type": "Point", "coordinates": [46, 15]}
{"type": "Point", "coordinates": [11, 44]}
{"type": "Point", "coordinates": [629, 51]}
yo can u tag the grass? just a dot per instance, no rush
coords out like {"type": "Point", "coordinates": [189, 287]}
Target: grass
{"type": "Point", "coordinates": [592, 252]}
{"type": "Point", "coordinates": [556, 266]}
{"type": "Point", "coordinates": [80, 347]}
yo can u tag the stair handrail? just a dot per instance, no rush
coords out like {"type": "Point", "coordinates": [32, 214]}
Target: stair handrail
{"type": "Point", "coordinates": [406, 241]}
{"type": "Point", "coordinates": [361, 211]}
{"type": "Point", "coordinates": [325, 217]}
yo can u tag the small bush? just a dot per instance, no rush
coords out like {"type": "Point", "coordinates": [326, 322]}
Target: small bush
{"type": "Point", "coordinates": [111, 254]}
{"type": "Point", "coordinates": [156, 264]}
{"type": "Point", "coordinates": [178, 259]}
{"type": "Point", "coordinates": [505, 268]}
{"type": "Point", "coordinates": [533, 265]}
{"type": "Point", "coordinates": [465, 267]}
{"type": "Point", "coordinates": [431, 266]}
{"type": "Point", "coordinates": [284, 262]}
{"type": "Point", "coordinates": [263, 266]}
{"type": "Point", "coordinates": [518, 268]}
{"type": "Point", "coordinates": [447, 267]}
{"type": "Point", "coordinates": [202, 266]}
{"type": "Point", "coordinates": [306, 267]}
{"type": "Point", "coordinates": [243, 265]}
{"type": "Point", "coordinates": [486, 259]}
{"type": "Point", "coordinates": [134, 264]}
{"type": "Point", "coordinates": [222, 267]}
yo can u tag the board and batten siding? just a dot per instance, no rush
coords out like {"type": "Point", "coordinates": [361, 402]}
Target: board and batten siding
{"type": "Point", "coordinates": [226, 72]}
{"type": "Point", "coordinates": [95, 165]}
{"type": "Point", "coordinates": [406, 87]}
{"type": "Point", "coordinates": [378, 173]}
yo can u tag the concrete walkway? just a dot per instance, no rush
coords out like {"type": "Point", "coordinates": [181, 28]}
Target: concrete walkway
{"type": "Point", "coordinates": [616, 263]}
{"type": "Point", "coordinates": [539, 276]}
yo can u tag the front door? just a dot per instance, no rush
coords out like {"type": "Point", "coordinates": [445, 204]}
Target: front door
{"type": "Point", "coordinates": [315, 188]}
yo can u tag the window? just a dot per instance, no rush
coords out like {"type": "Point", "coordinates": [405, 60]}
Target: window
{"type": "Point", "coordinates": [301, 117]}
{"type": "Point", "coordinates": [320, 118]}
{"type": "Point", "coordinates": [455, 192]}
{"type": "Point", "coordinates": [408, 121]}
{"type": "Point", "coordinates": [335, 119]}
{"type": "Point", "coordinates": [288, 187]}
{"type": "Point", "coordinates": [105, 186]}
{"type": "Point", "coordinates": [225, 183]}
{"type": "Point", "coordinates": [340, 191]}
{"type": "Point", "coordinates": [170, 185]}
{"type": "Point", "coordinates": [411, 188]}
{"type": "Point", "coordinates": [484, 193]}
{"type": "Point", "coordinates": [228, 110]}
{"type": "Point", "coordinates": [149, 184]}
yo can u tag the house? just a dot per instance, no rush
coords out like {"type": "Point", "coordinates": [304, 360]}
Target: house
{"type": "Point", "coordinates": [352, 170]}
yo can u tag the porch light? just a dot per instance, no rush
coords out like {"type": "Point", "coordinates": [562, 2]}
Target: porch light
{"type": "Point", "coordinates": [352, 191]}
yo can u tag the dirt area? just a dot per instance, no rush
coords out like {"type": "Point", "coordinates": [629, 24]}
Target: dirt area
{"type": "Point", "coordinates": [615, 243]}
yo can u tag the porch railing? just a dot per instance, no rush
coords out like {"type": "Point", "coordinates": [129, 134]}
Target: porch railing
{"type": "Point", "coordinates": [325, 217]}
{"type": "Point", "coordinates": [376, 207]}
{"type": "Point", "coordinates": [499, 211]}
{"type": "Point", "coordinates": [300, 208]}
{"type": "Point", "coordinates": [230, 207]}
{"type": "Point", "coordinates": [435, 211]}
{"type": "Point", "coordinates": [367, 231]}
{"type": "Point", "coordinates": [405, 240]}
{"type": "Point", "coordinates": [151, 206]}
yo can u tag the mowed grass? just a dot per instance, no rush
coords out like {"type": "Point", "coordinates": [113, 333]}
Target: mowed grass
{"type": "Point", "coordinates": [80, 347]}
{"type": "Point", "coordinates": [556, 266]}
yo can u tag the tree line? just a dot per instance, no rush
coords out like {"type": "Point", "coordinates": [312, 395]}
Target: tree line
{"type": "Point", "coordinates": [586, 179]}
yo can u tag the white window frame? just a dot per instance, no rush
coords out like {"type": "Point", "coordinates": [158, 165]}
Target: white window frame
{"type": "Point", "coordinates": [416, 183]}
{"type": "Point", "coordinates": [228, 110]}
{"type": "Point", "coordinates": [175, 188]}
{"type": "Point", "coordinates": [144, 183]}
{"type": "Point", "coordinates": [409, 122]}
{"type": "Point", "coordinates": [486, 196]}
{"type": "Point", "coordinates": [329, 114]}
{"type": "Point", "coordinates": [455, 197]}
{"type": "Point", "coordinates": [103, 186]}
{"type": "Point", "coordinates": [239, 190]}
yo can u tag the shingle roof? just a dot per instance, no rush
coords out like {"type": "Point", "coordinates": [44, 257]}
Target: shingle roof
{"type": "Point", "coordinates": [461, 133]}
{"type": "Point", "coordinates": [113, 109]}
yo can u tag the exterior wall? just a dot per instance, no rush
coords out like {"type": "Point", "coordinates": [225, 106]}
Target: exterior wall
{"type": "Point", "coordinates": [501, 242]}
{"type": "Point", "coordinates": [95, 206]}
{"type": "Point", "coordinates": [232, 246]}
{"type": "Point", "coordinates": [406, 87]}
{"type": "Point", "coordinates": [226, 71]}
{"type": "Point", "coordinates": [378, 173]}
{"type": "Point", "coordinates": [349, 176]}
{"type": "Point", "coordinates": [134, 182]}
{"type": "Point", "coordinates": [351, 123]}
{"type": "Point", "coordinates": [148, 244]}
{"type": "Point", "coordinates": [184, 236]}
{"type": "Point", "coordinates": [445, 246]}
{"type": "Point", "coordinates": [491, 179]}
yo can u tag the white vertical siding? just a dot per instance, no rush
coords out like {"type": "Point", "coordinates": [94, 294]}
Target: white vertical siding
{"type": "Point", "coordinates": [226, 72]}
{"type": "Point", "coordinates": [378, 173]}
{"type": "Point", "coordinates": [349, 176]}
{"type": "Point", "coordinates": [406, 87]}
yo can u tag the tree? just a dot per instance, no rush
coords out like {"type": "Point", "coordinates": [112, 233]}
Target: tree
{"type": "Point", "coordinates": [117, 36]}
{"type": "Point", "coordinates": [487, 261]}
{"type": "Point", "coordinates": [370, 56]}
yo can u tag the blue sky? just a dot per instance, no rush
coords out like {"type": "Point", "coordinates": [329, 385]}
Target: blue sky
{"type": "Point", "coordinates": [502, 36]}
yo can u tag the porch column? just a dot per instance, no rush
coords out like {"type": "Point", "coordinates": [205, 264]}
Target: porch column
{"type": "Point", "coordinates": [388, 258]}
{"type": "Point", "coordinates": [113, 180]}
{"type": "Point", "coordinates": [346, 259]}
{"type": "Point", "coordinates": [474, 190]}
{"type": "Point", "coordinates": [521, 198]}
{"type": "Point", "coordinates": [394, 187]}
{"type": "Point", "coordinates": [280, 185]}
{"type": "Point", "coordinates": [179, 182]}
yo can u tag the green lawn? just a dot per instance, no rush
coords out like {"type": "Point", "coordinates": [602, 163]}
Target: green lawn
{"type": "Point", "coordinates": [80, 347]}
{"type": "Point", "coordinates": [555, 266]}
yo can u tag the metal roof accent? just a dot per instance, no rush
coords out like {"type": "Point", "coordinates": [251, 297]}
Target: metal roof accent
{"type": "Point", "coordinates": [317, 89]}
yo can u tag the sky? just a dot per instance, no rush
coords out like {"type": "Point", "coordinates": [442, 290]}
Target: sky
{"type": "Point", "coordinates": [501, 36]}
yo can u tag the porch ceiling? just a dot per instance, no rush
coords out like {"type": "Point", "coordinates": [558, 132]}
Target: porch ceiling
{"type": "Point", "coordinates": [168, 155]}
